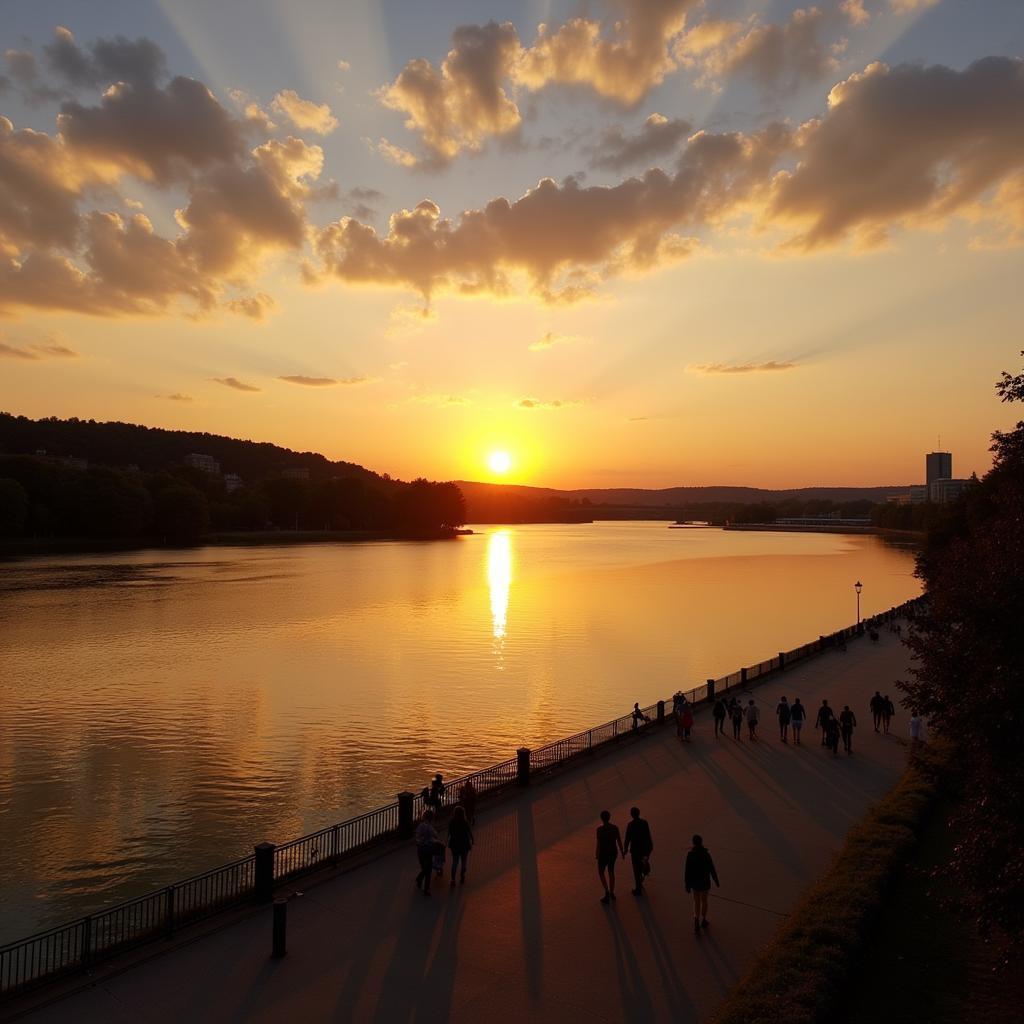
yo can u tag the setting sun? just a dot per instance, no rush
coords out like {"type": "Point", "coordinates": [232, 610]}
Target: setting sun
{"type": "Point", "coordinates": [499, 462]}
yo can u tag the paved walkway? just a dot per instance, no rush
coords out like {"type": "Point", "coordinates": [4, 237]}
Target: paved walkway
{"type": "Point", "coordinates": [527, 937]}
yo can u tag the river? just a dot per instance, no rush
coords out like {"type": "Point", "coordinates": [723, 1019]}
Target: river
{"type": "Point", "coordinates": [163, 711]}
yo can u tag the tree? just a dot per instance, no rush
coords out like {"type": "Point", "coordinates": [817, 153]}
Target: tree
{"type": "Point", "coordinates": [181, 514]}
{"type": "Point", "coordinates": [13, 508]}
{"type": "Point", "coordinates": [969, 674]}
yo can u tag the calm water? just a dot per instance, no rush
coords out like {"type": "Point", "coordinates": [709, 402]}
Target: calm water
{"type": "Point", "coordinates": [164, 711]}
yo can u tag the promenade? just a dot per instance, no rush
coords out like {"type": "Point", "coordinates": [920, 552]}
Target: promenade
{"type": "Point", "coordinates": [526, 937]}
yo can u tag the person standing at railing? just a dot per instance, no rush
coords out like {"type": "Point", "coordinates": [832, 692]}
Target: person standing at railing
{"type": "Point", "coordinates": [609, 846]}
{"type": "Point", "coordinates": [640, 845]}
{"type": "Point", "coordinates": [639, 718]}
{"type": "Point", "coordinates": [460, 841]}
{"type": "Point", "coordinates": [426, 841]}
{"type": "Point", "coordinates": [436, 797]}
{"type": "Point", "coordinates": [718, 714]}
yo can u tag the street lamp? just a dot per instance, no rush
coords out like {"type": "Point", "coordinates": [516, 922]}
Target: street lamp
{"type": "Point", "coordinates": [858, 586]}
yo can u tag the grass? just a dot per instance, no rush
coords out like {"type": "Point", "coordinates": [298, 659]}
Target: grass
{"type": "Point", "coordinates": [804, 975]}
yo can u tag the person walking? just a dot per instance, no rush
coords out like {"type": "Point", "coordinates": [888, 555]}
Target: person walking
{"type": "Point", "coordinates": [639, 718]}
{"type": "Point", "coordinates": [609, 846]}
{"type": "Point", "coordinates": [832, 735]}
{"type": "Point", "coordinates": [460, 841]}
{"type": "Point", "coordinates": [847, 723]}
{"type": "Point", "coordinates": [825, 715]}
{"type": "Point", "coordinates": [785, 714]}
{"type": "Point", "coordinates": [426, 840]}
{"type": "Point", "coordinates": [697, 876]}
{"type": "Point", "coordinates": [736, 717]}
{"type": "Point", "coordinates": [718, 714]}
{"type": "Point", "coordinates": [877, 704]}
{"type": "Point", "coordinates": [797, 714]}
{"type": "Point", "coordinates": [687, 722]}
{"type": "Point", "coordinates": [753, 716]}
{"type": "Point", "coordinates": [639, 845]}
{"type": "Point", "coordinates": [467, 797]}
{"type": "Point", "coordinates": [887, 712]}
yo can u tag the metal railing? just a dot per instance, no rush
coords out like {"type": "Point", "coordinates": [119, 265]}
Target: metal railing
{"type": "Point", "coordinates": [80, 944]}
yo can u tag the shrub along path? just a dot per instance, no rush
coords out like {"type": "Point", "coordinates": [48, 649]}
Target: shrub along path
{"type": "Point", "coordinates": [527, 937]}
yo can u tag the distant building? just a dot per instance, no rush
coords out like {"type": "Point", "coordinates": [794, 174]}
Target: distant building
{"type": "Point", "coordinates": [918, 494]}
{"type": "Point", "coordinates": [207, 463]}
{"type": "Point", "coordinates": [829, 519]}
{"type": "Point", "coordinates": [74, 463]}
{"type": "Point", "coordinates": [938, 466]}
{"type": "Point", "coordinates": [944, 491]}
{"type": "Point", "coordinates": [295, 473]}
{"type": "Point", "coordinates": [232, 482]}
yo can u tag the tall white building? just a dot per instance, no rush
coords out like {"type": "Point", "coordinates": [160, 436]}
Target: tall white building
{"type": "Point", "coordinates": [207, 463]}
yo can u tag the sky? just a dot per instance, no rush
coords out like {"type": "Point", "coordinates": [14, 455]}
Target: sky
{"type": "Point", "coordinates": [626, 243]}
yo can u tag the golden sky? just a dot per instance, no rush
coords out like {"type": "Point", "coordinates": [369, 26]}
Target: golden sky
{"type": "Point", "coordinates": [632, 243]}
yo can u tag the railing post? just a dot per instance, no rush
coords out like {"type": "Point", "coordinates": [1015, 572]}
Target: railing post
{"type": "Point", "coordinates": [711, 688]}
{"type": "Point", "coordinates": [405, 800]}
{"type": "Point", "coordinates": [782, 660]}
{"type": "Point", "coordinates": [264, 872]}
{"type": "Point", "coordinates": [661, 711]}
{"type": "Point", "coordinates": [523, 766]}
{"type": "Point", "coordinates": [86, 941]}
{"type": "Point", "coordinates": [169, 910]}
{"type": "Point", "coordinates": [280, 928]}
{"type": "Point", "coordinates": [335, 844]}
{"type": "Point", "coordinates": [590, 741]}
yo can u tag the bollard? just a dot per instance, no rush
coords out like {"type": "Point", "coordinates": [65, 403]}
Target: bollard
{"type": "Point", "coordinates": [405, 800]}
{"type": "Point", "coordinates": [743, 677]}
{"type": "Point", "coordinates": [661, 711]}
{"type": "Point", "coordinates": [711, 689]}
{"type": "Point", "coordinates": [280, 928]}
{"type": "Point", "coordinates": [523, 766]}
{"type": "Point", "coordinates": [782, 660]}
{"type": "Point", "coordinates": [263, 887]}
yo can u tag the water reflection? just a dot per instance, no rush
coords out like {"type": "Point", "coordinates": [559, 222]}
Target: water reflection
{"type": "Point", "coordinates": [499, 578]}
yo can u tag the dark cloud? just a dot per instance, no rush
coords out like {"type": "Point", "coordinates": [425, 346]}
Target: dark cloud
{"type": "Point", "coordinates": [139, 62]}
{"type": "Point", "coordinates": [309, 382]}
{"type": "Point", "coordinates": [26, 75]}
{"type": "Point", "coordinates": [902, 144]}
{"type": "Point", "coordinates": [177, 397]}
{"type": "Point", "coordinates": [658, 136]}
{"type": "Point", "coordinates": [236, 384]}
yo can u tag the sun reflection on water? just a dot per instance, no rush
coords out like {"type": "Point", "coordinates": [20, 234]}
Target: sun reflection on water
{"type": "Point", "coordinates": [499, 578]}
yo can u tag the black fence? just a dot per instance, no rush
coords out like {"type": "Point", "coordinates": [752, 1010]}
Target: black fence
{"type": "Point", "coordinates": [81, 944]}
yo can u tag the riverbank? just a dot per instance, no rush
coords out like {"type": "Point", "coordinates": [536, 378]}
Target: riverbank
{"type": "Point", "coordinates": [30, 547]}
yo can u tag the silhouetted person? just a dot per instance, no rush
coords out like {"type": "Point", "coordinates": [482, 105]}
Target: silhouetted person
{"type": "Point", "coordinates": [686, 722]}
{"type": "Point", "coordinates": [639, 718]}
{"type": "Point", "coordinates": [753, 716]}
{"type": "Point", "coordinates": [877, 709]}
{"type": "Point", "coordinates": [825, 716]}
{"type": "Point", "coordinates": [736, 717]}
{"type": "Point", "coordinates": [797, 715]}
{"type": "Point", "coordinates": [887, 712]}
{"type": "Point", "coordinates": [609, 846]}
{"type": "Point", "coordinates": [847, 723]}
{"type": "Point", "coordinates": [426, 840]}
{"type": "Point", "coordinates": [639, 845]}
{"type": "Point", "coordinates": [718, 714]}
{"type": "Point", "coordinates": [460, 840]}
{"type": "Point", "coordinates": [785, 714]}
{"type": "Point", "coordinates": [832, 735]}
{"type": "Point", "coordinates": [467, 797]}
{"type": "Point", "coordinates": [697, 876]}
{"type": "Point", "coordinates": [437, 791]}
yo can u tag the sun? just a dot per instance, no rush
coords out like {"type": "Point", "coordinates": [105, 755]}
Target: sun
{"type": "Point", "coordinates": [499, 462]}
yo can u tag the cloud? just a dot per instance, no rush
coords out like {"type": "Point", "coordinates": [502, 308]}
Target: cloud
{"type": "Point", "coordinates": [564, 238]}
{"type": "Point", "coordinates": [392, 153]}
{"type": "Point", "coordinates": [236, 384]}
{"type": "Point", "coordinates": [461, 103]}
{"type": "Point", "coordinates": [105, 61]}
{"type": "Point", "coordinates": [536, 403]}
{"type": "Point", "coordinates": [37, 351]}
{"type": "Point", "coordinates": [305, 114]}
{"type": "Point", "coordinates": [771, 366]}
{"type": "Point", "coordinates": [855, 12]}
{"type": "Point", "coordinates": [779, 57]}
{"type": "Point", "coordinates": [25, 74]}
{"type": "Point", "coordinates": [658, 136]}
{"type": "Point", "coordinates": [344, 65]}
{"type": "Point", "coordinates": [309, 382]}
{"type": "Point", "coordinates": [177, 397]}
{"type": "Point", "coordinates": [361, 202]}
{"type": "Point", "coordinates": [255, 306]}
{"type": "Point", "coordinates": [909, 6]}
{"type": "Point", "coordinates": [904, 145]}
{"type": "Point", "coordinates": [550, 339]}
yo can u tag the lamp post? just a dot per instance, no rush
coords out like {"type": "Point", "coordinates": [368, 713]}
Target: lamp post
{"type": "Point", "coordinates": [858, 586]}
